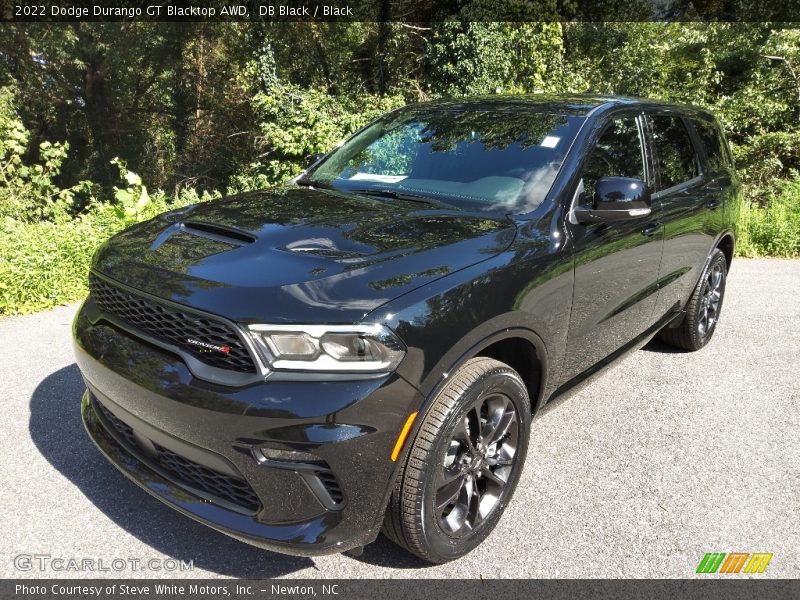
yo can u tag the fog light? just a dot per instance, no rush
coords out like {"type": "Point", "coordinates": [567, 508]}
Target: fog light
{"type": "Point", "coordinates": [288, 455]}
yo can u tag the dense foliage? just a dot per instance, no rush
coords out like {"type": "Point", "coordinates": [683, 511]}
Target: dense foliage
{"type": "Point", "coordinates": [198, 109]}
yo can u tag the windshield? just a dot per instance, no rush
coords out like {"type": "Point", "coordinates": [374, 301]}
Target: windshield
{"type": "Point", "coordinates": [502, 158]}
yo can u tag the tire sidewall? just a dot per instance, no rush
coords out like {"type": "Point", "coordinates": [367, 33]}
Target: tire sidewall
{"type": "Point", "coordinates": [716, 258]}
{"type": "Point", "coordinates": [442, 546]}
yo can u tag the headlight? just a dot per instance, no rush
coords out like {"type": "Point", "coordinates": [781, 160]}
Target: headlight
{"type": "Point", "coordinates": [329, 348]}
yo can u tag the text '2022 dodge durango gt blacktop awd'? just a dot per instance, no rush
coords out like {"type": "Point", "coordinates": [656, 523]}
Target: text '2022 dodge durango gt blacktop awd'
{"type": "Point", "coordinates": [363, 348]}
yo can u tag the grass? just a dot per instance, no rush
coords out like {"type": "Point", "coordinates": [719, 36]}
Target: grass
{"type": "Point", "coordinates": [772, 229]}
{"type": "Point", "coordinates": [45, 263]}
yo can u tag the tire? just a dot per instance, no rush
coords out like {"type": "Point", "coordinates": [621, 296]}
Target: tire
{"type": "Point", "coordinates": [703, 309]}
{"type": "Point", "coordinates": [449, 445]}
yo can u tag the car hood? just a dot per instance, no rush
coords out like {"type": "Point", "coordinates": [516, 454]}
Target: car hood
{"type": "Point", "coordinates": [299, 254]}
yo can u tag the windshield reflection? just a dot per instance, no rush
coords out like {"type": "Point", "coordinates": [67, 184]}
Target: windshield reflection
{"type": "Point", "coordinates": [498, 159]}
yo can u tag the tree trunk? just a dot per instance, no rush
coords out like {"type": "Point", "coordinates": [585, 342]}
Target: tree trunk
{"type": "Point", "coordinates": [384, 31]}
{"type": "Point", "coordinates": [180, 103]}
{"type": "Point", "coordinates": [98, 108]}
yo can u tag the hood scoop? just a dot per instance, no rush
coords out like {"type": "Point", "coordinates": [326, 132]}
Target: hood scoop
{"type": "Point", "coordinates": [219, 233]}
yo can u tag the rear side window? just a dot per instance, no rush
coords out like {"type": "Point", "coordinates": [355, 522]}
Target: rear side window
{"type": "Point", "coordinates": [710, 138]}
{"type": "Point", "coordinates": [676, 159]}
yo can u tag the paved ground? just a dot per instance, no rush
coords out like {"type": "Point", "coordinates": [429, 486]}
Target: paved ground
{"type": "Point", "coordinates": [666, 457]}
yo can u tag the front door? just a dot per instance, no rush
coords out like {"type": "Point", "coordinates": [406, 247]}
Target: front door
{"type": "Point", "coordinates": [616, 264]}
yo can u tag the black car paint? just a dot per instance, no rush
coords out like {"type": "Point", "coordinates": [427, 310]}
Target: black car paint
{"type": "Point", "coordinates": [449, 283]}
{"type": "Point", "coordinates": [317, 254]}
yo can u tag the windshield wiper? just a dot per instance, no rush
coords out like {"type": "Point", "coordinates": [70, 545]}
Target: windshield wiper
{"type": "Point", "coordinates": [316, 184]}
{"type": "Point", "coordinates": [401, 195]}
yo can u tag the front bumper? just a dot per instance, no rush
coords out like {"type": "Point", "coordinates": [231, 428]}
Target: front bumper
{"type": "Point", "coordinates": [297, 467]}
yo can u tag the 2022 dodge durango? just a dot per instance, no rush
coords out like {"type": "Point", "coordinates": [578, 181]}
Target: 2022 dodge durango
{"type": "Point", "coordinates": [362, 349]}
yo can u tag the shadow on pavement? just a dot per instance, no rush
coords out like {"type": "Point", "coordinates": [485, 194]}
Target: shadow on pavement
{"type": "Point", "coordinates": [56, 429]}
{"type": "Point", "coordinates": [385, 553]}
{"type": "Point", "coordinates": [656, 345]}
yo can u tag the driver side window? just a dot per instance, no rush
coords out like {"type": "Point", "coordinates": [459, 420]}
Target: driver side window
{"type": "Point", "coordinates": [617, 153]}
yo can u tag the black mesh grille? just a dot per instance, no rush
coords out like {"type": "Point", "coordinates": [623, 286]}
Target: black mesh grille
{"type": "Point", "coordinates": [176, 327]}
{"type": "Point", "coordinates": [232, 489]}
{"type": "Point", "coordinates": [331, 485]}
{"type": "Point", "coordinates": [226, 487]}
{"type": "Point", "coordinates": [121, 428]}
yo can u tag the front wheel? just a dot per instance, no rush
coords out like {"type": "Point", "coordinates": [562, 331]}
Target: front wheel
{"type": "Point", "coordinates": [703, 309]}
{"type": "Point", "coordinates": [464, 463]}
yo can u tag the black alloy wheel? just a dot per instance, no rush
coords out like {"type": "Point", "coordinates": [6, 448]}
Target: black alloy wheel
{"type": "Point", "coordinates": [464, 463]}
{"type": "Point", "coordinates": [703, 310]}
{"type": "Point", "coordinates": [710, 300]}
{"type": "Point", "coordinates": [477, 465]}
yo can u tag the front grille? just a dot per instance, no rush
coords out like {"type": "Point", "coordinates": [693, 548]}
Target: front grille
{"type": "Point", "coordinates": [175, 326]}
{"type": "Point", "coordinates": [226, 487]}
{"type": "Point", "coordinates": [182, 470]}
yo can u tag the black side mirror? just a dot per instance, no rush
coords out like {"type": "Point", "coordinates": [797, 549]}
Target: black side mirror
{"type": "Point", "coordinates": [616, 199]}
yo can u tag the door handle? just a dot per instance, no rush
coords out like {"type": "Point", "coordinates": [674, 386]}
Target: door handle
{"type": "Point", "coordinates": [652, 229]}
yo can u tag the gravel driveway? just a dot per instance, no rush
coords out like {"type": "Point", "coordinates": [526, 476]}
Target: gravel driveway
{"type": "Point", "coordinates": [664, 458]}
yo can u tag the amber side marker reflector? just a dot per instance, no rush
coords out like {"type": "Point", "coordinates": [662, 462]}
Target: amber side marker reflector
{"type": "Point", "coordinates": [398, 445]}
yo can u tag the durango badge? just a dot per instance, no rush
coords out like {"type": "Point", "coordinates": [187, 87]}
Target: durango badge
{"type": "Point", "coordinates": [208, 347]}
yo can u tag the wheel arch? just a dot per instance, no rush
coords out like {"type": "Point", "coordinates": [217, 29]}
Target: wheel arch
{"type": "Point", "coordinates": [521, 355]}
{"type": "Point", "coordinates": [727, 244]}
{"type": "Point", "coordinates": [437, 378]}
{"type": "Point", "coordinates": [521, 349]}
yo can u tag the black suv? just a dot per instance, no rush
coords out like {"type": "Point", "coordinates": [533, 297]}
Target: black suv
{"type": "Point", "coordinates": [362, 349]}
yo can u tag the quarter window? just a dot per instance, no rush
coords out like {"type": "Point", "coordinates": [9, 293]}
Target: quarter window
{"type": "Point", "coordinates": [676, 158]}
{"type": "Point", "coordinates": [712, 144]}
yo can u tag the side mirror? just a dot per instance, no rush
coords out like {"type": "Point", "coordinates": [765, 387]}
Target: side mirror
{"type": "Point", "coordinates": [616, 199]}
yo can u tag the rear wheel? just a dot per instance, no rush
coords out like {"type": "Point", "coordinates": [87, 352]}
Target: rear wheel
{"type": "Point", "coordinates": [464, 463]}
{"type": "Point", "coordinates": [703, 309]}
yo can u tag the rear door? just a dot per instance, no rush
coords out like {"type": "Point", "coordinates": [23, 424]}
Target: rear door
{"type": "Point", "coordinates": [616, 264]}
{"type": "Point", "coordinates": [681, 191]}
{"type": "Point", "coordinates": [719, 181]}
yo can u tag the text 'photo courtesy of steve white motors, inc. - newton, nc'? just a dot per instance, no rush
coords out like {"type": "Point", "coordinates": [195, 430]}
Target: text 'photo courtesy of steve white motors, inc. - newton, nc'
{"type": "Point", "coordinates": [141, 589]}
{"type": "Point", "coordinates": [188, 11]}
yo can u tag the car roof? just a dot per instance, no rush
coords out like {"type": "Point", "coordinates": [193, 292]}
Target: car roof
{"type": "Point", "coordinates": [575, 104]}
